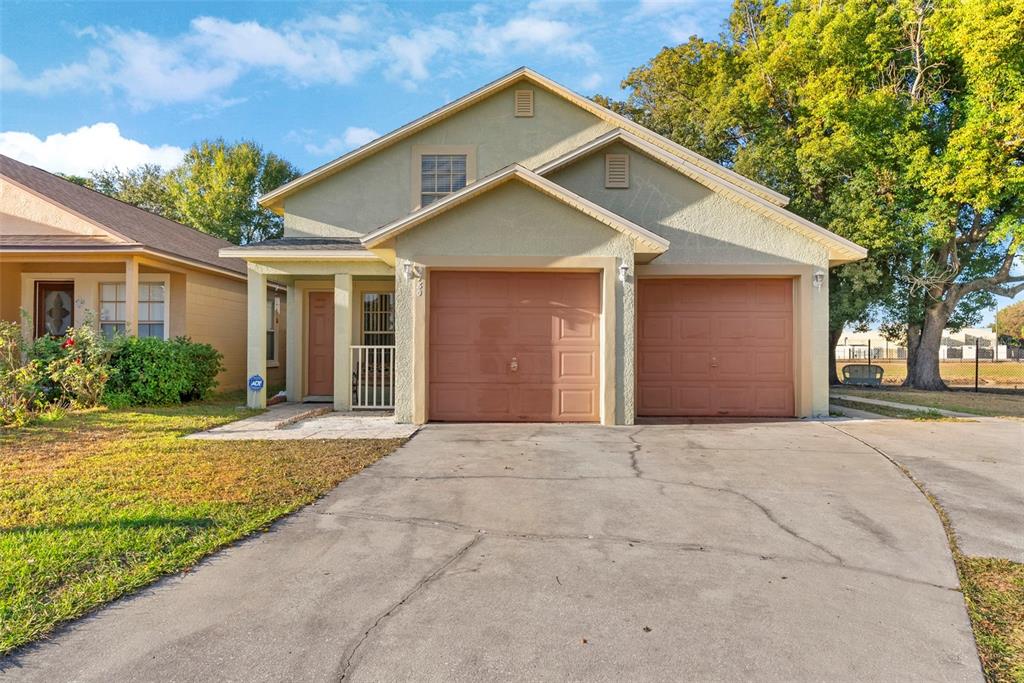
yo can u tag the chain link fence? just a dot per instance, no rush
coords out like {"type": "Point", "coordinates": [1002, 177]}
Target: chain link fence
{"type": "Point", "coordinates": [971, 363]}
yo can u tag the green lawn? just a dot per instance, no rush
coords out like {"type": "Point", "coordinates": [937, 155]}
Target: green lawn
{"type": "Point", "coordinates": [988, 403]}
{"type": "Point", "coordinates": [101, 502]}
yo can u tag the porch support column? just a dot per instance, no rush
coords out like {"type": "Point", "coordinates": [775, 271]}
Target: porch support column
{"type": "Point", "coordinates": [256, 363]}
{"type": "Point", "coordinates": [131, 297]}
{"type": "Point", "coordinates": [293, 336]}
{"type": "Point", "coordinates": [342, 341]}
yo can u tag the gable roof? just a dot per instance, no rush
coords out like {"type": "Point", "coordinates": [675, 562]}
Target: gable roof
{"type": "Point", "coordinates": [129, 224]}
{"type": "Point", "coordinates": [840, 249]}
{"type": "Point", "coordinates": [647, 243]}
{"type": "Point", "coordinates": [272, 199]}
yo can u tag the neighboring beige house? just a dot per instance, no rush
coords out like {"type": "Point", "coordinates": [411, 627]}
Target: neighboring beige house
{"type": "Point", "coordinates": [68, 254]}
{"type": "Point", "coordinates": [523, 254]}
{"type": "Point", "coordinates": [960, 345]}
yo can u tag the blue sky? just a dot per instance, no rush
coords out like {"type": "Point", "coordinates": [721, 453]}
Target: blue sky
{"type": "Point", "coordinates": [306, 80]}
{"type": "Point", "coordinates": [89, 85]}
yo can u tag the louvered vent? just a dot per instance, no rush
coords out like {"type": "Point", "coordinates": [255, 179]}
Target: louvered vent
{"type": "Point", "coordinates": [616, 170]}
{"type": "Point", "coordinates": [524, 103]}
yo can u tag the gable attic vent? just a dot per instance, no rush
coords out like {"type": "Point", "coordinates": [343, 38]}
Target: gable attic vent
{"type": "Point", "coordinates": [524, 102]}
{"type": "Point", "coordinates": [616, 170]}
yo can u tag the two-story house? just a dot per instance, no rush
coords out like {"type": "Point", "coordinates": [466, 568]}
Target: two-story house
{"type": "Point", "coordinates": [524, 254]}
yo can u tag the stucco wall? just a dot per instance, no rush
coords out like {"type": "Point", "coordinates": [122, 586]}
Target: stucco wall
{"type": "Point", "coordinates": [216, 315]}
{"type": "Point", "coordinates": [703, 226]}
{"type": "Point", "coordinates": [706, 228]}
{"type": "Point", "coordinates": [512, 221]}
{"type": "Point", "coordinates": [378, 189]}
{"type": "Point", "coordinates": [23, 213]}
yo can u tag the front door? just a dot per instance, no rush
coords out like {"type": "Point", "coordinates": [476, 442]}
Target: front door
{"type": "Point", "coordinates": [320, 345]}
{"type": "Point", "coordinates": [54, 307]}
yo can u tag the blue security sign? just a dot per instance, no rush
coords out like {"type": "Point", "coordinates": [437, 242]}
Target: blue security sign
{"type": "Point", "coordinates": [255, 383]}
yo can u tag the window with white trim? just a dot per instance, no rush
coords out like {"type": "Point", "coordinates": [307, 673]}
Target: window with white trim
{"type": "Point", "coordinates": [378, 318]}
{"type": "Point", "coordinates": [273, 311]}
{"type": "Point", "coordinates": [440, 175]}
{"type": "Point", "coordinates": [151, 309]}
{"type": "Point", "coordinates": [112, 309]}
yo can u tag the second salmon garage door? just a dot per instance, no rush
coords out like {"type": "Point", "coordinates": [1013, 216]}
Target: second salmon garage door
{"type": "Point", "coordinates": [514, 346]}
{"type": "Point", "coordinates": [715, 347]}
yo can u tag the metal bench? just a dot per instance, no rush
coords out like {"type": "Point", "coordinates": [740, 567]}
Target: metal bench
{"type": "Point", "coordinates": [863, 375]}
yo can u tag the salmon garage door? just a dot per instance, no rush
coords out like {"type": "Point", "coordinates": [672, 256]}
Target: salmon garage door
{"type": "Point", "coordinates": [514, 347]}
{"type": "Point", "coordinates": [715, 347]}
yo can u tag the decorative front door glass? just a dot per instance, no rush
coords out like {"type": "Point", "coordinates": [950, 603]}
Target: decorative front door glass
{"type": "Point", "coordinates": [54, 308]}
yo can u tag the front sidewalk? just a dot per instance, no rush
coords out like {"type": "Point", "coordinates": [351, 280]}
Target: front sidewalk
{"type": "Point", "coordinates": [287, 421]}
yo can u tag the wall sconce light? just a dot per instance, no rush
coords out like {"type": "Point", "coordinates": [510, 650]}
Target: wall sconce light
{"type": "Point", "coordinates": [818, 279]}
{"type": "Point", "coordinates": [623, 271]}
{"type": "Point", "coordinates": [410, 271]}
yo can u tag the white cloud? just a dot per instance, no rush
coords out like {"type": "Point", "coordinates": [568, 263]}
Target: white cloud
{"type": "Point", "coordinates": [409, 55]}
{"type": "Point", "coordinates": [527, 34]}
{"type": "Point", "coordinates": [353, 137]}
{"type": "Point", "coordinates": [89, 148]}
{"type": "Point", "coordinates": [206, 61]}
{"type": "Point", "coordinates": [662, 6]}
{"type": "Point", "coordinates": [591, 81]}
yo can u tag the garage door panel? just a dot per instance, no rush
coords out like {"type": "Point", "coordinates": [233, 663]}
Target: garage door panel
{"type": "Point", "coordinates": [731, 347]}
{"type": "Point", "coordinates": [547, 322]}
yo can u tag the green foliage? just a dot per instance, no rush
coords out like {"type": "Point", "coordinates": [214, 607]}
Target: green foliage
{"type": "Point", "coordinates": [217, 186]}
{"type": "Point", "coordinates": [18, 381]}
{"type": "Point", "coordinates": [144, 187]}
{"type": "Point", "coordinates": [79, 371]}
{"type": "Point", "coordinates": [215, 189]}
{"type": "Point", "coordinates": [899, 125]}
{"type": "Point", "coordinates": [1009, 324]}
{"type": "Point", "coordinates": [153, 371]}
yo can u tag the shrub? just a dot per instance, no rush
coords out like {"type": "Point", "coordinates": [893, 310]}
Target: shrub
{"type": "Point", "coordinates": [78, 371]}
{"type": "Point", "coordinates": [156, 372]}
{"type": "Point", "coordinates": [19, 381]}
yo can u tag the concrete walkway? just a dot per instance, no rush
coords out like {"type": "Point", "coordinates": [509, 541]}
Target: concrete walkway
{"type": "Point", "coordinates": [785, 551]}
{"type": "Point", "coordinates": [868, 402]}
{"type": "Point", "coordinates": [287, 421]}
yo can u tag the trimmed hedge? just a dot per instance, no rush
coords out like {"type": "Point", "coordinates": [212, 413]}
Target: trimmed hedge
{"type": "Point", "coordinates": [153, 371]}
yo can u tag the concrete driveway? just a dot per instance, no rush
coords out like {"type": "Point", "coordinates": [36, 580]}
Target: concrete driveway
{"type": "Point", "coordinates": [773, 550]}
{"type": "Point", "coordinates": [975, 469]}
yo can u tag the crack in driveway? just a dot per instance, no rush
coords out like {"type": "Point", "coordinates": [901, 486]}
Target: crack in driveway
{"type": "Point", "coordinates": [346, 668]}
{"type": "Point", "coordinates": [630, 540]}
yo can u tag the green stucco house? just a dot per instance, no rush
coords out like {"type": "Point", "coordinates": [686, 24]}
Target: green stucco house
{"type": "Point", "coordinates": [524, 254]}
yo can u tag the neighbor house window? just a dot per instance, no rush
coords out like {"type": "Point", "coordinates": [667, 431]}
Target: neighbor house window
{"type": "Point", "coordinates": [441, 174]}
{"type": "Point", "coordinates": [378, 318]}
{"type": "Point", "coordinates": [273, 308]}
{"type": "Point", "coordinates": [151, 309]}
{"type": "Point", "coordinates": [112, 308]}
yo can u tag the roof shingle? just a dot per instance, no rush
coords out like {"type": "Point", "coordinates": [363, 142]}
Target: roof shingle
{"type": "Point", "coordinates": [134, 224]}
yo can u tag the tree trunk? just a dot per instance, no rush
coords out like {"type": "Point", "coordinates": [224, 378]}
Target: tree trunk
{"type": "Point", "coordinates": [923, 358]}
{"type": "Point", "coordinates": [833, 339]}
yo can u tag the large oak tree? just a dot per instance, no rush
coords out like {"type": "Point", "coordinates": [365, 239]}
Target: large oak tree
{"type": "Point", "coordinates": [898, 124]}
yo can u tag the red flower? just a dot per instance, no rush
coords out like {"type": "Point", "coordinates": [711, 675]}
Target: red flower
{"type": "Point", "coordinates": [69, 342]}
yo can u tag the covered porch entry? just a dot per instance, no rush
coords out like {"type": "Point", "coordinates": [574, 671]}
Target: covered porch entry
{"type": "Point", "coordinates": [341, 314]}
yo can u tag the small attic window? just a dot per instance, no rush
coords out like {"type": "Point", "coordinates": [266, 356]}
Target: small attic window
{"type": "Point", "coordinates": [616, 171]}
{"type": "Point", "coordinates": [524, 103]}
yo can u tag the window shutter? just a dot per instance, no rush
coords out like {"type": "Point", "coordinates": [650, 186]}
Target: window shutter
{"type": "Point", "coordinates": [616, 170]}
{"type": "Point", "coordinates": [524, 102]}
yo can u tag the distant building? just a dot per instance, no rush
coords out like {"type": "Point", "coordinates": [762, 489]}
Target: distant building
{"type": "Point", "coordinates": [955, 346]}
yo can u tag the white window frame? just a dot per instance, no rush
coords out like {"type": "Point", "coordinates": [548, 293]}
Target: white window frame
{"type": "Point", "coordinates": [274, 326]}
{"type": "Point", "coordinates": [418, 151]}
{"type": "Point", "coordinates": [143, 280]}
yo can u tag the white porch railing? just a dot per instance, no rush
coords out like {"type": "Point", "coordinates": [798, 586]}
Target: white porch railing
{"type": "Point", "coordinates": [373, 377]}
